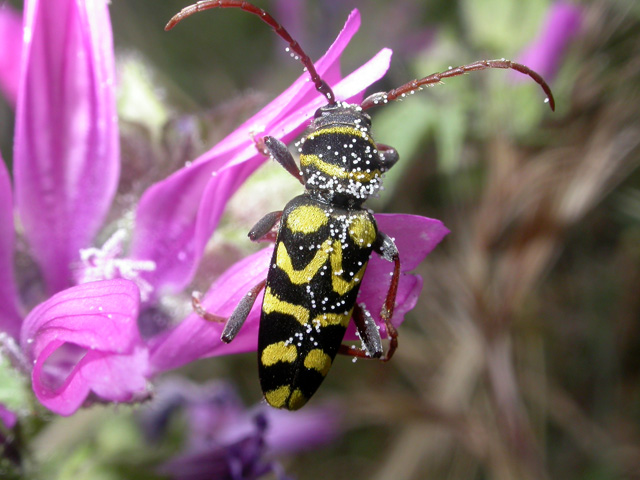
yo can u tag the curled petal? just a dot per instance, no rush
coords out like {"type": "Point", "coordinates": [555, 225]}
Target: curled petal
{"type": "Point", "coordinates": [66, 162]}
{"type": "Point", "coordinates": [196, 338]}
{"type": "Point", "coordinates": [85, 340]}
{"type": "Point", "coordinates": [10, 319]}
{"type": "Point", "coordinates": [10, 52]}
{"type": "Point", "coordinates": [187, 206]}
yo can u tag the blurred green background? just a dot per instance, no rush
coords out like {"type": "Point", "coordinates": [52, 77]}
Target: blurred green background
{"type": "Point", "coordinates": [522, 357]}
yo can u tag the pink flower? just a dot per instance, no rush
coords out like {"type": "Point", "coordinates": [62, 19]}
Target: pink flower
{"type": "Point", "coordinates": [83, 341]}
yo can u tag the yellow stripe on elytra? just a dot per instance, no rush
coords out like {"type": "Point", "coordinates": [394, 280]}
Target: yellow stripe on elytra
{"type": "Point", "coordinates": [278, 398]}
{"type": "Point", "coordinates": [339, 284]}
{"type": "Point", "coordinates": [278, 352]}
{"type": "Point", "coordinates": [336, 171]}
{"type": "Point", "coordinates": [297, 400]}
{"type": "Point", "coordinates": [327, 319]}
{"type": "Point", "coordinates": [317, 360]}
{"type": "Point", "coordinates": [362, 231]}
{"type": "Point", "coordinates": [272, 303]}
{"type": "Point", "coordinates": [300, 277]}
{"type": "Point", "coordinates": [306, 219]}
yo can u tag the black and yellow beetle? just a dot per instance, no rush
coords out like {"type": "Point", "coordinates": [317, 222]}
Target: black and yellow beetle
{"type": "Point", "coordinates": [324, 237]}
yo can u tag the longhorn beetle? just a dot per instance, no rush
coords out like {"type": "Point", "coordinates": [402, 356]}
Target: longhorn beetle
{"type": "Point", "coordinates": [324, 237]}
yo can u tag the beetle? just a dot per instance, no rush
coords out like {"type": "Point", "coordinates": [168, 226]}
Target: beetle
{"type": "Point", "coordinates": [324, 237]}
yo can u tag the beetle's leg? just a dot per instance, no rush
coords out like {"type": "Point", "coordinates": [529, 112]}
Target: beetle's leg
{"type": "Point", "coordinates": [388, 155]}
{"type": "Point", "coordinates": [369, 334]}
{"type": "Point", "coordinates": [386, 248]}
{"type": "Point", "coordinates": [277, 150]}
{"type": "Point", "coordinates": [264, 229]}
{"type": "Point", "coordinates": [368, 330]}
{"type": "Point", "coordinates": [237, 318]}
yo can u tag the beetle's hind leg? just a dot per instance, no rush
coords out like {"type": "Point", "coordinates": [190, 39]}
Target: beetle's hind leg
{"type": "Point", "coordinates": [387, 249]}
{"type": "Point", "coordinates": [367, 327]}
{"type": "Point", "coordinates": [369, 335]}
{"type": "Point", "coordinates": [237, 318]}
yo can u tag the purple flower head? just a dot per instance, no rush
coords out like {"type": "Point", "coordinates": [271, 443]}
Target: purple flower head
{"type": "Point", "coordinates": [227, 441]}
{"type": "Point", "coordinates": [82, 340]}
{"type": "Point", "coordinates": [545, 53]}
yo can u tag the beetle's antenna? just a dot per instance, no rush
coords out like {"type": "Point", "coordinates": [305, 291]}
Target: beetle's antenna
{"type": "Point", "coordinates": [320, 84]}
{"type": "Point", "coordinates": [410, 87]}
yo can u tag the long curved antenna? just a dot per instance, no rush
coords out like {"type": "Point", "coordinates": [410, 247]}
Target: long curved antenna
{"type": "Point", "coordinates": [320, 84]}
{"type": "Point", "coordinates": [412, 86]}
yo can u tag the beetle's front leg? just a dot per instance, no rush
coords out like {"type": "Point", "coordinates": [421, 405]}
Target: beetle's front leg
{"type": "Point", "coordinates": [265, 229]}
{"type": "Point", "coordinates": [280, 153]}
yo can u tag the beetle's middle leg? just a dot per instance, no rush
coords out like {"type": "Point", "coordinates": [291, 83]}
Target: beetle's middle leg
{"type": "Point", "coordinates": [369, 335]}
{"type": "Point", "coordinates": [264, 229]}
{"type": "Point", "coordinates": [386, 248]}
{"type": "Point", "coordinates": [237, 318]}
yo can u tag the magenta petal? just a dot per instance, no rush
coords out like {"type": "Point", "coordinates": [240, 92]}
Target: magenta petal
{"type": "Point", "coordinates": [66, 162]}
{"type": "Point", "coordinates": [10, 319]}
{"type": "Point", "coordinates": [85, 339]}
{"type": "Point", "coordinates": [196, 338]}
{"type": "Point", "coordinates": [560, 27]}
{"type": "Point", "coordinates": [10, 51]}
{"type": "Point", "coordinates": [415, 237]}
{"type": "Point", "coordinates": [176, 217]}
{"type": "Point", "coordinates": [174, 221]}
